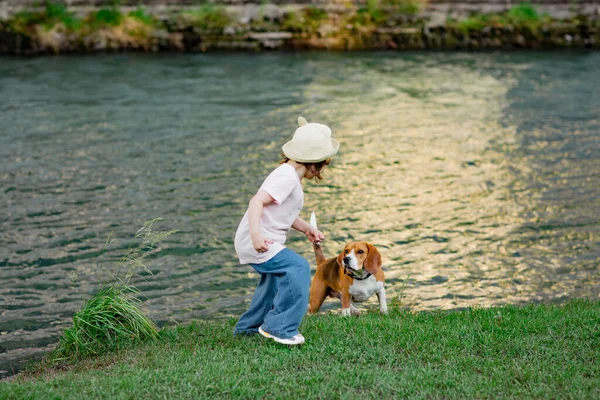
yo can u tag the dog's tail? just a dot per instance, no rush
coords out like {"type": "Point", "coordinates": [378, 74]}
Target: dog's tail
{"type": "Point", "coordinates": [319, 256]}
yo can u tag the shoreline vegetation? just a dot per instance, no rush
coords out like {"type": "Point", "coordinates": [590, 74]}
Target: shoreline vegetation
{"type": "Point", "coordinates": [54, 28]}
{"type": "Point", "coordinates": [535, 351]}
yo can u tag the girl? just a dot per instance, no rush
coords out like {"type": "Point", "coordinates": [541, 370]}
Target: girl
{"type": "Point", "coordinates": [281, 298]}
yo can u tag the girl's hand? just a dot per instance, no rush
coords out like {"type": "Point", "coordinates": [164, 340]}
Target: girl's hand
{"type": "Point", "coordinates": [260, 243]}
{"type": "Point", "coordinates": [314, 235]}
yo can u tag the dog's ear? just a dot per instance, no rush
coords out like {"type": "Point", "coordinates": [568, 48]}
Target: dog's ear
{"type": "Point", "coordinates": [373, 261]}
{"type": "Point", "coordinates": [340, 258]}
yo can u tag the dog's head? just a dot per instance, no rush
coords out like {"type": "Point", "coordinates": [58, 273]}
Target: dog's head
{"type": "Point", "coordinates": [358, 255]}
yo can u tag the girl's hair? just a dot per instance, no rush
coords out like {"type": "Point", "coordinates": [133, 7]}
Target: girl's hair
{"type": "Point", "coordinates": [316, 168]}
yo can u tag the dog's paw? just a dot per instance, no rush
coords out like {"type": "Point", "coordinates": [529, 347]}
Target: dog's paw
{"type": "Point", "coordinates": [354, 311]}
{"type": "Point", "coordinates": [346, 312]}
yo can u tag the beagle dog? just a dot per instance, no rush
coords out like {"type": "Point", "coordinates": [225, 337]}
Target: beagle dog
{"type": "Point", "coordinates": [354, 275]}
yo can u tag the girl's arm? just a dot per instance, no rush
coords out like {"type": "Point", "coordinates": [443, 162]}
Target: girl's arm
{"type": "Point", "coordinates": [255, 210]}
{"type": "Point", "coordinates": [313, 234]}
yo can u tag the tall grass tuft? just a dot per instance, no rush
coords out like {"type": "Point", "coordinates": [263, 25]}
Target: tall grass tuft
{"type": "Point", "coordinates": [114, 317]}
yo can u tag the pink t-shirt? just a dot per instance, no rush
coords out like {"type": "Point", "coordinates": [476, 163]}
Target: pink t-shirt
{"type": "Point", "coordinates": [284, 186]}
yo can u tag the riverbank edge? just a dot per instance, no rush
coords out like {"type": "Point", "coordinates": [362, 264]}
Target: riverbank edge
{"type": "Point", "coordinates": [289, 27]}
{"type": "Point", "coordinates": [533, 351]}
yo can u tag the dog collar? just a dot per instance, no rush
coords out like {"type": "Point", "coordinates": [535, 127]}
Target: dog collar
{"type": "Point", "coordinates": [353, 276]}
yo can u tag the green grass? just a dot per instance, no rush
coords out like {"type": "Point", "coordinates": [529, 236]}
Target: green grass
{"type": "Point", "coordinates": [522, 16]}
{"type": "Point", "coordinates": [57, 13]}
{"type": "Point", "coordinates": [209, 16]}
{"type": "Point", "coordinates": [307, 20]}
{"type": "Point", "coordinates": [523, 13]}
{"type": "Point", "coordinates": [48, 17]}
{"type": "Point", "coordinates": [373, 12]}
{"type": "Point", "coordinates": [377, 12]}
{"type": "Point", "coordinates": [507, 352]}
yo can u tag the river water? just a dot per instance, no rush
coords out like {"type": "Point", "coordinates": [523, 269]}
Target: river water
{"type": "Point", "coordinates": [476, 175]}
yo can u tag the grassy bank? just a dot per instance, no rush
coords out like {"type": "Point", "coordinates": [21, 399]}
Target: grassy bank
{"type": "Point", "coordinates": [374, 25]}
{"type": "Point", "coordinates": [507, 352]}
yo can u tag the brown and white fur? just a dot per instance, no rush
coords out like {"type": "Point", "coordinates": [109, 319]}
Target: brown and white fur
{"type": "Point", "coordinates": [334, 278]}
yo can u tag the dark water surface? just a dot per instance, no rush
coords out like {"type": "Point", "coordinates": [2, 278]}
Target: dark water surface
{"type": "Point", "coordinates": [476, 175]}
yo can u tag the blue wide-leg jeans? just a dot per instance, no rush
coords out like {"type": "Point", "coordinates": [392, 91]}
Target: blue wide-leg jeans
{"type": "Point", "coordinates": [281, 297]}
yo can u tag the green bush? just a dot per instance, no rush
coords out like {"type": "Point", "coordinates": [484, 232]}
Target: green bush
{"type": "Point", "coordinates": [105, 17]}
{"type": "Point", "coordinates": [56, 12]}
{"type": "Point", "coordinates": [523, 13]}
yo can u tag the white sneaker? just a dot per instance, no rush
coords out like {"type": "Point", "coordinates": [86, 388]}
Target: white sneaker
{"type": "Point", "coordinates": [295, 340]}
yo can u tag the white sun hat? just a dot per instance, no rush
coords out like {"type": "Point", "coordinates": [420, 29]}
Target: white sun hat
{"type": "Point", "coordinates": [311, 143]}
